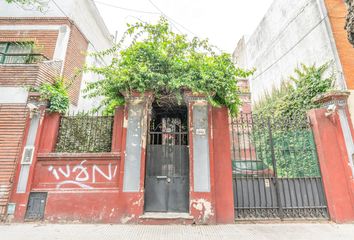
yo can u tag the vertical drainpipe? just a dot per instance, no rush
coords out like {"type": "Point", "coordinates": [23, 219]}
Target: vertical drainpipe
{"type": "Point", "coordinates": [325, 15]}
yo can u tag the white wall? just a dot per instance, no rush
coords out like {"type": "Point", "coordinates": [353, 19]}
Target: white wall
{"type": "Point", "coordinates": [291, 33]}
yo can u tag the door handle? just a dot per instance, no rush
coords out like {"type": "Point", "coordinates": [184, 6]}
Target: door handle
{"type": "Point", "coordinates": [161, 177]}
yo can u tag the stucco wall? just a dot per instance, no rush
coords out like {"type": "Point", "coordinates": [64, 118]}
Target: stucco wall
{"type": "Point", "coordinates": [291, 33]}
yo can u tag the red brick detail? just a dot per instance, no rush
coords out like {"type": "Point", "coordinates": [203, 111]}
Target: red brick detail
{"type": "Point", "coordinates": [245, 95]}
{"type": "Point", "coordinates": [336, 173]}
{"type": "Point", "coordinates": [46, 41]}
{"type": "Point", "coordinates": [74, 61]}
{"type": "Point", "coordinates": [12, 126]}
{"type": "Point", "coordinates": [337, 11]}
{"type": "Point", "coordinates": [29, 74]}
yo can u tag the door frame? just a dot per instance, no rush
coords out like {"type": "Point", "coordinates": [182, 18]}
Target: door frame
{"type": "Point", "coordinates": [188, 175]}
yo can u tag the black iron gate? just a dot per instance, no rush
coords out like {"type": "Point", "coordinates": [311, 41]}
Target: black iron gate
{"type": "Point", "coordinates": [275, 169]}
{"type": "Point", "coordinates": [167, 167]}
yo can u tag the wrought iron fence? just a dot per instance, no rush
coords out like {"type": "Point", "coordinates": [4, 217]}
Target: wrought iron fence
{"type": "Point", "coordinates": [275, 167]}
{"type": "Point", "coordinates": [85, 133]}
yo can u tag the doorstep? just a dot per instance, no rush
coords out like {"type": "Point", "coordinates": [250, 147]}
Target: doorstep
{"type": "Point", "coordinates": [166, 215]}
{"type": "Point", "coordinates": [157, 218]}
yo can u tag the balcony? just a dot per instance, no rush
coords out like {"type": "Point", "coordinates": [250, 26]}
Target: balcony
{"type": "Point", "coordinates": [27, 69]}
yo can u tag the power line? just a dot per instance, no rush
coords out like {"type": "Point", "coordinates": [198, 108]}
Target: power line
{"type": "Point", "coordinates": [290, 49]}
{"type": "Point", "coordinates": [174, 21]}
{"type": "Point", "coordinates": [295, 45]}
{"type": "Point", "coordinates": [280, 34]}
{"type": "Point", "coordinates": [124, 8]}
{"type": "Point", "coordinates": [171, 19]}
{"type": "Point", "coordinates": [60, 9]}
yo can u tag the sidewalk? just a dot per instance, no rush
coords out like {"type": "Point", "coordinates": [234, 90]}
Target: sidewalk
{"type": "Point", "coordinates": [294, 231]}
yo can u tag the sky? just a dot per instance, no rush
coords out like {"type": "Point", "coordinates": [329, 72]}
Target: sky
{"type": "Point", "coordinates": [223, 22]}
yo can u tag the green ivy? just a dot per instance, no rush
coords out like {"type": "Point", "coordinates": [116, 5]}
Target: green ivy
{"type": "Point", "coordinates": [285, 109]}
{"type": "Point", "coordinates": [56, 94]}
{"type": "Point", "coordinates": [295, 97]}
{"type": "Point", "coordinates": [159, 60]}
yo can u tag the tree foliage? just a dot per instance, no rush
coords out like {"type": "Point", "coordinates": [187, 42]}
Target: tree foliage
{"type": "Point", "coordinates": [159, 60]}
{"type": "Point", "coordinates": [285, 110]}
{"type": "Point", "coordinates": [294, 97]}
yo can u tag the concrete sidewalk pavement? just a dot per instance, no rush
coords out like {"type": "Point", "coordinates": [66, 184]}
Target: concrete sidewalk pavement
{"type": "Point", "coordinates": [281, 231]}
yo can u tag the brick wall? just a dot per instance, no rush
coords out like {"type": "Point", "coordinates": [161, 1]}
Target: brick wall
{"type": "Point", "coordinates": [12, 123]}
{"type": "Point", "coordinates": [29, 74]}
{"type": "Point", "coordinates": [337, 11]}
{"type": "Point", "coordinates": [75, 59]}
{"type": "Point", "coordinates": [46, 42]}
{"type": "Point", "coordinates": [245, 95]}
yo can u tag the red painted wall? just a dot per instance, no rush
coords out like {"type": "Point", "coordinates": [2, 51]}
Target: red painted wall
{"type": "Point", "coordinates": [336, 173]}
{"type": "Point", "coordinates": [87, 187]}
{"type": "Point", "coordinates": [224, 206]}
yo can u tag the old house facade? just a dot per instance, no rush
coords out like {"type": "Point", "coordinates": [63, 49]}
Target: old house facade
{"type": "Point", "coordinates": [149, 163]}
{"type": "Point", "coordinates": [37, 47]}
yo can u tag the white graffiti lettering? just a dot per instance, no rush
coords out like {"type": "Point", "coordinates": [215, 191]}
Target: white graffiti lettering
{"type": "Point", "coordinates": [81, 175]}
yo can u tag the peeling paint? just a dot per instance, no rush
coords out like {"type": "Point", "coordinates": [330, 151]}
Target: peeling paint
{"type": "Point", "coordinates": [127, 219]}
{"type": "Point", "coordinates": [125, 122]}
{"type": "Point", "coordinates": [112, 212]}
{"type": "Point", "coordinates": [204, 207]}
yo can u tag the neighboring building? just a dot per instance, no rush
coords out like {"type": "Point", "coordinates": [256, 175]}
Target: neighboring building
{"type": "Point", "coordinates": [36, 47]}
{"type": "Point", "coordinates": [295, 32]}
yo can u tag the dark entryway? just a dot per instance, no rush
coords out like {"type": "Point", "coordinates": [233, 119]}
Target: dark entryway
{"type": "Point", "coordinates": [167, 167]}
{"type": "Point", "coordinates": [36, 206]}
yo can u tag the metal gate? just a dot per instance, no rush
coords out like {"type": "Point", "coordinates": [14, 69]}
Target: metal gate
{"type": "Point", "coordinates": [167, 167]}
{"type": "Point", "coordinates": [275, 169]}
{"type": "Point", "coordinates": [36, 206]}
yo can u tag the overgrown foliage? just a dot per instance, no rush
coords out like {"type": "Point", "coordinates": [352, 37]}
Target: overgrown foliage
{"type": "Point", "coordinates": [159, 60]}
{"type": "Point", "coordinates": [293, 145]}
{"type": "Point", "coordinates": [56, 94]}
{"type": "Point", "coordinates": [285, 112]}
{"type": "Point", "coordinates": [294, 97]}
{"type": "Point", "coordinates": [85, 133]}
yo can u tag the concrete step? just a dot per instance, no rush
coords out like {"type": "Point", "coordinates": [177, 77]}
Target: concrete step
{"type": "Point", "coordinates": [158, 218]}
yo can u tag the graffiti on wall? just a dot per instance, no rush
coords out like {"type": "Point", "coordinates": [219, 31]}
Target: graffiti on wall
{"type": "Point", "coordinates": [82, 175]}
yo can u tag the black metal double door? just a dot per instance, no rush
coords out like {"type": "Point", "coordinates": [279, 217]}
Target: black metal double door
{"type": "Point", "coordinates": [167, 173]}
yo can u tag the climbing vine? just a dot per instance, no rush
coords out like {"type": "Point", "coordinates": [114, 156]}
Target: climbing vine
{"type": "Point", "coordinates": [55, 93]}
{"type": "Point", "coordinates": [285, 109]}
{"type": "Point", "coordinates": [150, 57]}
{"type": "Point", "coordinates": [294, 97]}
